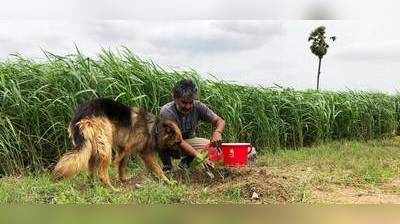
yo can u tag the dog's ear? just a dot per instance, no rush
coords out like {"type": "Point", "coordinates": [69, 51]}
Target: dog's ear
{"type": "Point", "coordinates": [167, 126]}
{"type": "Point", "coordinates": [171, 128]}
{"type": "Point", "coordinates": [167, 129]}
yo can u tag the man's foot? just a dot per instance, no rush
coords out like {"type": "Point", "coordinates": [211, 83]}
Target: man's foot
{"type": "Point", "coordinates": [167, 169]}
{"type": "Point", "coordinates": [125, 179]}
{"type": "Point", "coordinates": [183, 165]}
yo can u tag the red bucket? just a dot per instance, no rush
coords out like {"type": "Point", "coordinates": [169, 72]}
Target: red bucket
{"type": "Point", "coordinates": [214, 155]}
{"type": "Point", "coordinates": [235, 154]}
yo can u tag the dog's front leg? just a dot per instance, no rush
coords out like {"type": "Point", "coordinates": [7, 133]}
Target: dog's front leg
{"type": "Point", "coordinates": [150, 160]}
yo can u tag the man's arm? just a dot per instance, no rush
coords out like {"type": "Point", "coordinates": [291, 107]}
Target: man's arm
{"type": "Point", "coordinates": [206, 114]}
{"type": "Point", "coordinates": [219, 125]}
{"type": "Point", "coordinates": [188, 149]}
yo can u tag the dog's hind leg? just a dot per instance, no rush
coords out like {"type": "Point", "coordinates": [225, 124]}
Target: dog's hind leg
{"type": "Point", "coordinates": [93, 166]}
{"type": "Point", "coordinates": [150, 161]}
{"type": "Point", "coordinates": [104, 153]}
{"type": "Point", "coordinates": [105, 162]}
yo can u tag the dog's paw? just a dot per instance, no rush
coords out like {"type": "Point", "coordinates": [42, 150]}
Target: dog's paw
{"type": "Point", "coordinates": [170, 182]}
{"type": "Point", "coordinates": [173, 183]}
{"type": "Point", "coordinates": [115, 189]}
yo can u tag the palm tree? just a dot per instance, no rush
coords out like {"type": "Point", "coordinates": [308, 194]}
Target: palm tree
{"type": "Point", "coordinates": [319, 47]}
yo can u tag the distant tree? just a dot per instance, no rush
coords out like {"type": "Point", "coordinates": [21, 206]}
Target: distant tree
{"type": "Point", "coordinates": [319, 47]}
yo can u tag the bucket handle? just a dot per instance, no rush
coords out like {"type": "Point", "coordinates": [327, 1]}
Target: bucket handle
{"type": "Point", "coordinates": [219, 149]}
{"type": "Point", "coordinates": [217, 145]}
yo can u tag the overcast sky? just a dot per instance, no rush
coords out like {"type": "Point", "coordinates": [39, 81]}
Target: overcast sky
{"type": "Point", "coordinates": [365, 56]}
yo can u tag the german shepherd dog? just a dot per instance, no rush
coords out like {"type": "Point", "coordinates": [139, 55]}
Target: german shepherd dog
{"type": "Point", "coordinates": [101, 125]}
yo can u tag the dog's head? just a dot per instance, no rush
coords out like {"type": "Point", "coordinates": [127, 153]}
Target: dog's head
{"type": "Point", "coordinates": [169, 134]}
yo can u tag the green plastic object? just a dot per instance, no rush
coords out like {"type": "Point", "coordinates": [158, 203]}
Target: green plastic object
{"type": "Point", "coordinates": [198, 161]}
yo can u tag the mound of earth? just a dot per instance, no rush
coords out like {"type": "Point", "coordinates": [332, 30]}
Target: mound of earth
{"type": "Point", "coordinates": [255, 184]}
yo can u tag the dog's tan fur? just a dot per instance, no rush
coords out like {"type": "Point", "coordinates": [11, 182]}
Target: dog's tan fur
{"type": "Point", "coordinates": [102, 135]}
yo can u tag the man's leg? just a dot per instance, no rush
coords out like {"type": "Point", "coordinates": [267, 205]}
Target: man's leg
{"type": "Point", "coordinates": [198, 144]}
{"type": "Point", "coordinates": [165, 156]}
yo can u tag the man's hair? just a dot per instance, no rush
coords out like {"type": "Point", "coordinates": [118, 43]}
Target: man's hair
{"type": "Point", "coordinates": [185, 88]}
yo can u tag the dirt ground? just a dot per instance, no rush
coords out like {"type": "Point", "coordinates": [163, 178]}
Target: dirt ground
{"type": "Point", "coordinates": [385, 194]}
{"type": "Point", "coordinates": [351, 195]}
{"type": "Point", "coordinates": [255, 184]}
{"type": "Point", "coordinates": [262, 185]}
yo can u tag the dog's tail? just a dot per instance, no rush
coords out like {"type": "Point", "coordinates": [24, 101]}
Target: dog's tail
{"type": "Point", "coordinates": [73, 162]}
{"type": "Point", "coordinates": [78, 159]}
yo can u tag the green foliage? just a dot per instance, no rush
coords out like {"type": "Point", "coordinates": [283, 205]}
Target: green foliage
{"type": "Point", "coordinates": [38, 99]}
{"type": "Point", "coordinates": [234, 194]}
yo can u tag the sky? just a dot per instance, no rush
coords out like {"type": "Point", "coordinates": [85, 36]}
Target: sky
{"type": "Point", "coordinates": [263, 43]}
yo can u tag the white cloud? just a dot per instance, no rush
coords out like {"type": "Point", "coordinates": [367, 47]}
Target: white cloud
{"type": "Point", "coordinates": [205, 9]}
{"type": "Point", "coordinates": [211, 37]}
{"type": "Point", "coordinates": [261, 28]}
{"type": "Point", "coordinates": [367, 51]}
{"type": "Point", "coordinates": [28, 37]}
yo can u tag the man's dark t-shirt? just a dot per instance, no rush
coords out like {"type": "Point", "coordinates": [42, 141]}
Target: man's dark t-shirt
{"type": "Point", "coordinates": [188, 123]}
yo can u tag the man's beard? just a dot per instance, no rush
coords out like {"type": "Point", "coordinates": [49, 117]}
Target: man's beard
{"type": "Point", "coordinates": [184, 111]}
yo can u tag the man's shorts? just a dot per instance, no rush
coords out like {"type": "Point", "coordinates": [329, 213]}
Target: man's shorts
{"type": "Point", "coordinates": [198, 143]}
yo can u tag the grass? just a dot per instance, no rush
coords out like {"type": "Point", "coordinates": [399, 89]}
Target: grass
{"type": "Point", "coordinates": [38, 98]}
{"type": "Point", "coordinates": [33, 189]}
{"type": "Point", "coordinates": [345, 163]}
{"type": "Point", "coordinates": [284, 176]}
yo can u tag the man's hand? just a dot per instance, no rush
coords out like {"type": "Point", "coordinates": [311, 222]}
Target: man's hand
{"type": "Point", "coordinates": [209, 163]}
{"type": "Point", "coordinates": [219, 125]}
{"type": "Point", "coordinates": [216, 137]}
{"type": "Point", "coordinates": [199, 160]}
